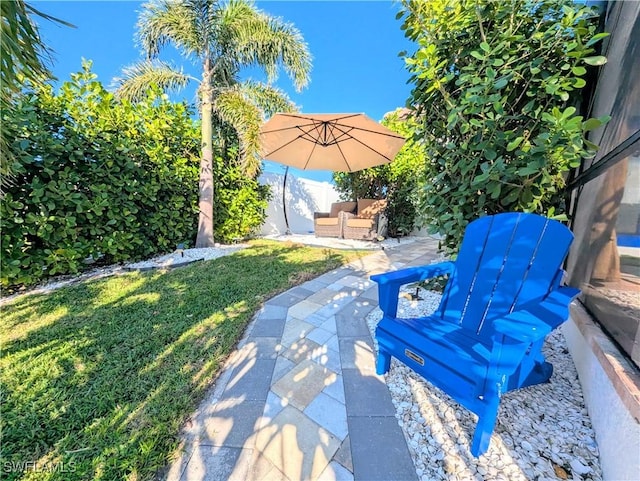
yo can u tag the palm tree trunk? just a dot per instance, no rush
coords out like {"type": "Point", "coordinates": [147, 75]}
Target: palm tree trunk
{"type": "Point", "coordinates": [205, 220]}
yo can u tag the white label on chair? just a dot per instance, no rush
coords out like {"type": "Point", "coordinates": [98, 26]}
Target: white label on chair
{"type": "Point", "coordinates": [414, 356]}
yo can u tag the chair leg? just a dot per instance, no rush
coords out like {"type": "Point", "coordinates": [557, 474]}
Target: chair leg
{"type": "Point", "coordinates": [484, 428]}
{"type": "Point", "coordinates": [383, 362]}
{"type": "Point", "coordinates": [536, 352]}
{"type": "Point", "coordinates": [540, 373]}
{"type": "Point", "coordinates": [539, 370]}
{"type": "Point", "coordinates": [533, 369]}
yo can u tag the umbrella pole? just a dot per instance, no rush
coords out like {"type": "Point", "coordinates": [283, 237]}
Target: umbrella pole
{"type": "Point", "coordinates": [284, 202]}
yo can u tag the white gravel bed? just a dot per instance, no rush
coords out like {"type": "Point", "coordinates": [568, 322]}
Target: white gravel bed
{"type": "Point", "coordinates": [543, 432]}
{"type": "Point", "coordinates": [335, 243]}
{"type": "Point", "coordinates": [186, 256]}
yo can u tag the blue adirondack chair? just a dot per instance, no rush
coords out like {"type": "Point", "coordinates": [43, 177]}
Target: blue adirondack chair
{"type": "Point", "coordinates": [502, 298]}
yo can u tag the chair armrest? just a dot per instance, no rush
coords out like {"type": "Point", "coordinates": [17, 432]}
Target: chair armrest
{"type": "Point", "coordinates": [317, 215]}
{"type": "Point", "coordinates": [512, 337]}
{"type": "Point", "coordinates": [514, 333]}
{"type": "Point", "coordinates": [389, 283]}
{"type": "Point", "coordinates": [553, 310]}
{"type": "Point", "coordinates": [522, 326]}
{"type": "Point", "coordinates": [351, 215]}
{"type": "Point", "coordinates": [414, 274]}
{"type": "Point", "coordinates": [535, 320]}
{"type": "Point", "coordinates": [557, 302]}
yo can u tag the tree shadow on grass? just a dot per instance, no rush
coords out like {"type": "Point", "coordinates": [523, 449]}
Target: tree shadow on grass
{"type": "Point", "coordinates": [100, 376]}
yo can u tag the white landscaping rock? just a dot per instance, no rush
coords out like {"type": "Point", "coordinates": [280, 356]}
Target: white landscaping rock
{"type": "Point", "coordinates": [541, 430]}
{"type": "Point", "coordinates": [186, 256]}
{"type": "Point", "coordinates": [335, 243]}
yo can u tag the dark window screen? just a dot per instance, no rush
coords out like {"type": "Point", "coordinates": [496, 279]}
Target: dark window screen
{"type": "Point", "coordinates": [605, 257]}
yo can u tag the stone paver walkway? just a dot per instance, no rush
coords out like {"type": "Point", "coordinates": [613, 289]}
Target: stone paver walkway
{"type": "Point", "coordinates": [299, 399]}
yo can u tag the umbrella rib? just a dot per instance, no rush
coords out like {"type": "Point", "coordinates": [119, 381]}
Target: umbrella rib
{"type": "Point", "coordinates": [304, 135]}
{"type": "Point", "coordinates": [307, 135]}
{"type": "Point", "coordinates": [282, 129]}
{"type": "Point", "coordinates": [372, 149]}
{"type": "Point", "coordinates": [280, 147]}
{"type": "Point", "coordinates": [344, 157]}
{"type": "Point", "coordinates": [341, 129]}
{"type": "Point", "coordinates": [315, 144]}
{"type": "Point", "coordinates": [335, 125]}
{"type": "Point", "coordinates": [365, 145]}
{"type": "Point", "coordinates": [396, 136]}
{"type": "Point", "coordinates": [342, 132]}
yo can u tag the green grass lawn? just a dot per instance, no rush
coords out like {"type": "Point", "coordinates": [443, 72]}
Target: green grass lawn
{"type": "Point", "coordinates": [97, 378]}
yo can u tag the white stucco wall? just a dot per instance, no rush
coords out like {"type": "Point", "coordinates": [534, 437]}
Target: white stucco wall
{"type": "Point", "coordinates": [303, 198]}
{"type": "Point", "coordinates": [617, 431]}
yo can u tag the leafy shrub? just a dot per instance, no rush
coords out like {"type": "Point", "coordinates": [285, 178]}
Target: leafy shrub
{"type": "Point", "coordinates": [401, 209]}
{"type": "Point", "coordinates": [241, 202]}
{"type": "Point", "coordinates": [105, 180]}
{"type": "Point", "coordinates": [494, 89]}
{"type": "Point", "coordinates": [95, 178]}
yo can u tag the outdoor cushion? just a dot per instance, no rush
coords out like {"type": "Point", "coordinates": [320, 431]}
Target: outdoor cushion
{"type": "Point", "coordinates": [369, 208]}
{"type": "Point", "coordinates": [327, 220]}
{"type": "Point", "coordinates": [355, 222]}
{"type": "Point", "coordinates": [337, 207]}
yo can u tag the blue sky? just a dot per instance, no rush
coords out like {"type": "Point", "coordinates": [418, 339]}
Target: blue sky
{"type": "Point", "coordinates": [354, 44]}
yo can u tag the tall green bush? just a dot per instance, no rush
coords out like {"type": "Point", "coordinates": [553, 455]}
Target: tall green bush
{"type": "Point", "coordinates": [102, 179]}
{"type": "Point", "coordinates": [399, 181]}
{"type": "Point", "coordinates": [241, 201]}
{"type": "Point", "coordinates": [495, 89]}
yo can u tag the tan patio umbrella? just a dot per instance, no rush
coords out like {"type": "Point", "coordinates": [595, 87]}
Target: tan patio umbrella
{"type": "Point", "coordinates": [337, 142]}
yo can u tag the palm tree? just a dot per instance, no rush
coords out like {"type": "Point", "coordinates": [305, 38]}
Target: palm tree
{"type": "Point", "coordinates": [222, 37]}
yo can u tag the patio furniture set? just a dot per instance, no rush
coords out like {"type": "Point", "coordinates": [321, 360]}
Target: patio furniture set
{"type": "Point", "coordinates": [504, 292]}
{"type": "Point", "coordinates": [361, 220]}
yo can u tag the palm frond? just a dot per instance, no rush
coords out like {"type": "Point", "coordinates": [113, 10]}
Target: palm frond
{"type": "Point", "coordinates": [23, 51]}
{"type": "Point", "coordinates": [267, 98]}
{"type": "Point", "coordinates": [137, 79]}
{"type": "Point", "coordinates": [257, 39]}
{"type": "Point", "coordinates": [24, 59]}
{"type": "Point", "coordinates": [282, 42]}
{"type": "Point", "coordinates": [232, 106]}
{"type": "Point", "coordinates": [163, 22]}
{"type": "Point", "coordinates": [224, 38]}
{"type": "Point", "coordinates": [232, 13]}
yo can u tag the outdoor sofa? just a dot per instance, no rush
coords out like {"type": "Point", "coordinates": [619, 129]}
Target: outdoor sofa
{"type": "Point", "coordinates": [364, 223]}
{"type": "Point", "coordinates": [350, 220]}
{"type": "Point", "coordinates": [329, 224]}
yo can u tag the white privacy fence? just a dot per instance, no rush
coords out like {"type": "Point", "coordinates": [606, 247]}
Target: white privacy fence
{"type": "Point", "coordinates": [303, 197]}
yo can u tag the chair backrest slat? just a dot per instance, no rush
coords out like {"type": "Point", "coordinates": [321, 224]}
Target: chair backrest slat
{"type": "Point", "coordinates": [505, 261]}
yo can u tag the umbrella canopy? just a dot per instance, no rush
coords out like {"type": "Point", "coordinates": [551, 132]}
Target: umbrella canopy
{"type": "Point", "coordinates": [338, 142]}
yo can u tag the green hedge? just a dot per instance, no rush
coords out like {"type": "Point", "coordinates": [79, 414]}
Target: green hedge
{"type": "Point", "coordinates": [240, 206]}
{"type": "Point", "coordinates": [102, 179]}
{"type": "Point", "coordinates": [496, 85]}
